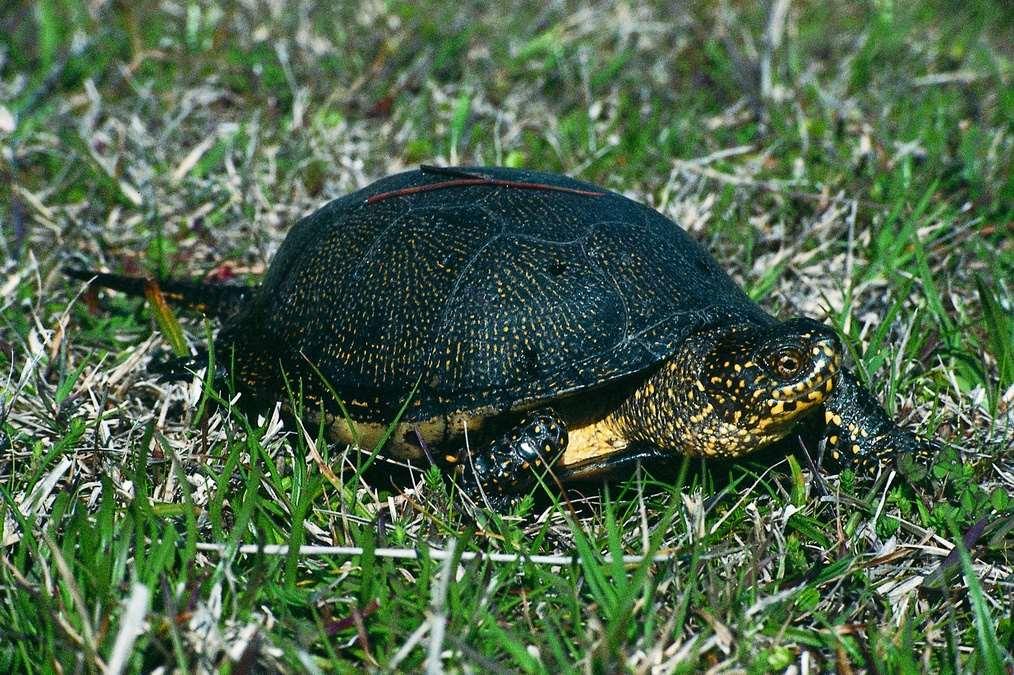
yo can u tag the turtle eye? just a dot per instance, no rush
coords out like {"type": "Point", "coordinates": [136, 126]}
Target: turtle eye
{"type": "Point", "coordinates": [787, 362]}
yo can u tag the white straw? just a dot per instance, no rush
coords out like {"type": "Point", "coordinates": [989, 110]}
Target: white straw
{"type": "Point", "coordinates": [413, 554]}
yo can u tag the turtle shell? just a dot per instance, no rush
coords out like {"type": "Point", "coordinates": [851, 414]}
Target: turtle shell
{"type": "Point", "coordinates": [479, 289]}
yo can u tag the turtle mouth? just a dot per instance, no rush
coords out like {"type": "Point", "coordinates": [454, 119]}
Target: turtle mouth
{"type": "Point", "coordinates": [789, 403]}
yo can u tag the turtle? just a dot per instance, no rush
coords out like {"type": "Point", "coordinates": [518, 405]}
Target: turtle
{"type": "Point", "coordinates": [514, 324]}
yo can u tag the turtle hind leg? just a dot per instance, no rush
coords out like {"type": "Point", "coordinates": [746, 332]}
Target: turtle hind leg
{"type": "Point", "coordinates": [171, 368]}
{"type": "Point", "coordinates": [502, 472]}
{"type": "Point", "coordinates": [861, 436]}
{"type": "Point", "coordinates": [178, 368]}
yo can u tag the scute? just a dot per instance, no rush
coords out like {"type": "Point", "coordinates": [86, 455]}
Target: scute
{"type": "Point", "coordinates": [477, 296]}
{"type": "Point", "coordinates": [526, 309]}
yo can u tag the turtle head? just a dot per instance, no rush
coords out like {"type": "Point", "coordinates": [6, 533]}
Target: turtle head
{"type": "Point", "coordinates": [756, 383]}
{"type": "Point", "coordinates": [730, 392]}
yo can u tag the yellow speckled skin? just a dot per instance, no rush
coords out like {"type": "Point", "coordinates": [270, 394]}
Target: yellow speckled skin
{"type": "Point", "coordinates": [732, 399]}
{"type": "Point", "coordinates": [529, 309]}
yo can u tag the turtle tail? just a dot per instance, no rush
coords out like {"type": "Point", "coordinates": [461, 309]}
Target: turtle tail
{"type": "Point", "coordinates": [214, 300]}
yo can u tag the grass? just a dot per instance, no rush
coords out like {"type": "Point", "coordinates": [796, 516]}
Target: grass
{"type": "Point", "coordinates": [849, 162]}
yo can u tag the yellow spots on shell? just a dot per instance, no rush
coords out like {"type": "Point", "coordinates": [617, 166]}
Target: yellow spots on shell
{"type": "Point", "coordinates": [833, 440]}
{"type": "Point", "coordinates": [856, 449]}
{"type": "Point", "coordinates": [451, 459]}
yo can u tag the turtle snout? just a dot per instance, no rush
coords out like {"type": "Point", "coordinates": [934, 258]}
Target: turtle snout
{"type": "Point", "coordinates": [826, 352]}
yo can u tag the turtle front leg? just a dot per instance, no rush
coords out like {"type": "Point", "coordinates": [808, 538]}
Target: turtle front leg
{"type": "Point", "coordinates": [862, 437]}
{"type": "Point", "coordinates": [502, 472]}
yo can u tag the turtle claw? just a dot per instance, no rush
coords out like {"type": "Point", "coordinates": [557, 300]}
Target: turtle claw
{"type": "Point", "coordinates": [501, 473]}
{"type": "Point", "coordinates": [912, 466]}
{"type": "Point", "coordinates": [913, 456]}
